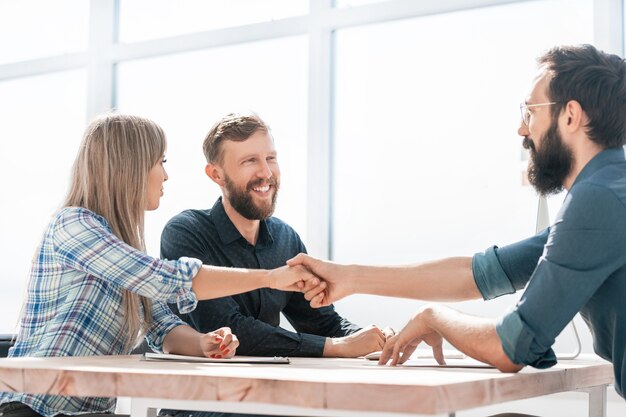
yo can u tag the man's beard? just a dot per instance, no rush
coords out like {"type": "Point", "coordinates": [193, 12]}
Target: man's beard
{"type": "Point", "coordinates": [243, 202]}
{"type": "Point", "coordinates": [549, 165]}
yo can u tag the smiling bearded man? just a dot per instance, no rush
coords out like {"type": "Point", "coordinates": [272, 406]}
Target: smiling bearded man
{"type": "Point", "coordinates": [240, 231]}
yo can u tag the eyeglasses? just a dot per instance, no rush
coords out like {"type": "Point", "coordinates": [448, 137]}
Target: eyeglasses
{"type": "Point", "coordinates": [523, 107]}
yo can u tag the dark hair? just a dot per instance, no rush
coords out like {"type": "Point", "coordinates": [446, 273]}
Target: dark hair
{"type": "Point", "coordinates": [236, 127]}
{"type": "Point", "coordinates": [597, 81]}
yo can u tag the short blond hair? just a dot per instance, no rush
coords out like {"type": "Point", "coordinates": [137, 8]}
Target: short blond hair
{"type": "Point", "coordinates": [234, 126]}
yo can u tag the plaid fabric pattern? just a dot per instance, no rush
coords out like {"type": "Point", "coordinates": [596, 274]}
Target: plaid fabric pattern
{"type": "Point", "coordinates": [74, 300]}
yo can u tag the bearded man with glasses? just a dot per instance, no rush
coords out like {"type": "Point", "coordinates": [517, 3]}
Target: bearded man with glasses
{"type": "Point", "coordinates": [574, 125]}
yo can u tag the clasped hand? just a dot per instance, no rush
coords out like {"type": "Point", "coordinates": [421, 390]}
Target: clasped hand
{"type": "Point", "coordinates": [220, 343]}
{"type": "Point", "coordinates": [294, 278]}
{"type": "Point", "coordinates": [313, 277]}
{"type": "Point", "coordinates": [329, 283]}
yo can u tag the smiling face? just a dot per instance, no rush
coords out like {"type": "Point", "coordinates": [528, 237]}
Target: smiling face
{"type": "Point", "coordinates": [251, 175]}
{"type": "Point", "coordinates": [154, 189]}
{"type": "Point", "coordinates": [550, 159]}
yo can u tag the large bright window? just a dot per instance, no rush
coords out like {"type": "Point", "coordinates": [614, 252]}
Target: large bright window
{"type": "Point", "coordinates": [427, 160]}
{"type": "Point", "coordinates": [355, 3]}
{"type": "Point", "coordinates": [40, 136]}
{"type": "Point", "coordinates": [188, 93]}
{"type": "Point", "coordinates": [395, 120]}
{"type": "Point", "coordinates": [35, 29]}
{"type": "Point", "coordinates": [149, 19]}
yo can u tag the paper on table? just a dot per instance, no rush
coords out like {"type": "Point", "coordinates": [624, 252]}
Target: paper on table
{"type": "Point", "coordinates": [148, 356]}
{"type": "Point", "coordinates": [450, 363]}
{"type": "Point", "coordinates": [423, 354]}
{"type": "Point", "coordinates": [453, 358]}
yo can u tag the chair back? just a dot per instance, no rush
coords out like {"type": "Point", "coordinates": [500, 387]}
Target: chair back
{"type": "Point", "coordinates": [6, 341]}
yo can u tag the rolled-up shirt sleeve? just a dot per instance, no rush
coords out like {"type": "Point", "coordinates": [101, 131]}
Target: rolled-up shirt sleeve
{"type": "Point", "coordinates": [585, 245]}
{"type": "Point", "coordinates": [184, 269]}
{"type": "Point", "coordinates": [499, 271]}
{"type": "Point", "coordinates": [520, 343]}
{"type": "Point", "coordinates": [490, 278]}
{"type": "Point", "coordinates": [84, 241]}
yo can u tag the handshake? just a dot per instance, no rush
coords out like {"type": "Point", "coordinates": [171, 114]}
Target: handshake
{"type": "Point", "coordinates": [324, 282]}
{"type": "Point", "coordinates": [321, 282]}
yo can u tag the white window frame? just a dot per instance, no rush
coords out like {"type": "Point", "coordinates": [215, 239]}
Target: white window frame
{"type": "Point", "coordinates": [104, 53]}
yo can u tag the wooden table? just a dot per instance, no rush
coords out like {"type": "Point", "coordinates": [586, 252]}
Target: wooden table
{"type": "Point", "coordinates": [307, 386]}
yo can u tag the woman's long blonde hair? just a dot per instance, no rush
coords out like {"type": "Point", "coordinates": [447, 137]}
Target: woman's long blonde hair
{"type": "Point", "coordinates": [109, 177]}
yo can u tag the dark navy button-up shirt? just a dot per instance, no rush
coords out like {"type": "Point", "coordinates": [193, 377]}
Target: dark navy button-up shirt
{"type": "Point", "coordinates": [577, 265]}
{"type": "Point", "coordinates": [209, 235]}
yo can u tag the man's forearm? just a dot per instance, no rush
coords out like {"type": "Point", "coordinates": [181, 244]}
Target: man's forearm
{"type": "Point", "coordinates": [448, 279]}
{"type": "Point", "coordinates": [474, 336]}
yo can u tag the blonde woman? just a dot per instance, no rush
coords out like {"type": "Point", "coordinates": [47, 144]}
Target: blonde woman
{"type": "Point", "coordinates": [92, 288]}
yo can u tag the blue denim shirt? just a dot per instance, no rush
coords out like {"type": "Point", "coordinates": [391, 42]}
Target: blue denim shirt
{"type": "Point", "coordinates": [577, 265]}
{"type": "Point", "coordinates": [253, 316]}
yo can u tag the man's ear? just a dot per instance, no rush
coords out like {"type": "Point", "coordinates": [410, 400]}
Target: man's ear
{"type": "Point", "coordinates": [574, 116]}
{"type": "Point", "coordinates": [215, 173]}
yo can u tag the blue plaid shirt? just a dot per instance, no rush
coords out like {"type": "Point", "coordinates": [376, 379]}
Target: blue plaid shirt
{"type": "Point", "coordinates": [74, 300]}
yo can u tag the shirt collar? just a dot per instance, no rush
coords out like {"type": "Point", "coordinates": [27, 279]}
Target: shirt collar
{"type": "Point", "coordinates": [604, 158]}
{"type": "Point", "coordinates": [227, 231]}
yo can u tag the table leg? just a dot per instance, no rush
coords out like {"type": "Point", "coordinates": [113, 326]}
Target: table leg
{"type": "Point", "coordinates": [597, 401]}
{"type": "Point", "coordinates": [140, 407]}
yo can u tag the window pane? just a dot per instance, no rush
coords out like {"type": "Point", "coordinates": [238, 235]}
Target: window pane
{"type": "Point", "coordinates": [355, 3]}
{"type": "Point", "coordinates": [194, 90]}
{"type": "Point", "coordinates": [41, 133]}
{"type": "Point", "coordinates": [32, 29]}
{"type": "Point", "coordinates": [149, 19]}
{"type": "Point", "coordinates": [427, 158]}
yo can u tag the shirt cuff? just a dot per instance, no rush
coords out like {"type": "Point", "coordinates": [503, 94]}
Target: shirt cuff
{"type": "Point", "coordinates": [185, 298]}
{"type": "Point", "coordinates": [311, 345]}
{"type": "Point", "coordinates": [163, 322]}
{"type": "Point", "coordinates": [490, 278]}
{"type": "Point", "coordinates": [520, 345]}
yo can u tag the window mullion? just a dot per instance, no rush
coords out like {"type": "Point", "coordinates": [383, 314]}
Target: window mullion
{"type": "Point", "coordinates": [100, 66]}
